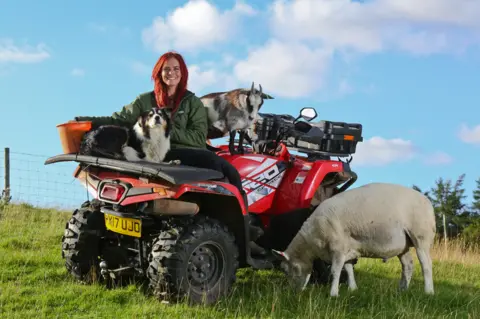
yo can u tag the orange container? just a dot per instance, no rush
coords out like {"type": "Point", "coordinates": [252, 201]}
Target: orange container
{"type": "Point", "coordinates": [71, 135]}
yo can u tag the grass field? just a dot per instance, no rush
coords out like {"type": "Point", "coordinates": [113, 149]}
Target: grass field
{"type": "Point", "coordinates": [34, 284]}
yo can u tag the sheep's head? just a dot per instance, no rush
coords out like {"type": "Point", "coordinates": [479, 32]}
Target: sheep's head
{"type": "Point", "coordinates": [297, 272]}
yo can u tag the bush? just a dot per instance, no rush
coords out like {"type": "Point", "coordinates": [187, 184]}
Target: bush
{"type": "Point", "coordinates": [471, 233]}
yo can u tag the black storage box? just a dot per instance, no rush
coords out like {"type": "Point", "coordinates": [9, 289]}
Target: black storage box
{"type": "Point", "coordinates": [340, 137]}
{"type": "Point", "coordinates": [341, 128]}
{"type": "Point", "coordinates": [268, 128]}
{"type": "Point", "coordinates": [338, 146]}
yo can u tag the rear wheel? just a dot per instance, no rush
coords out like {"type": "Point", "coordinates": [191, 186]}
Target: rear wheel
{"type": "Point", "coordinates": [197, 259]}
{"type": "Point", "coordinates": [81, 242]}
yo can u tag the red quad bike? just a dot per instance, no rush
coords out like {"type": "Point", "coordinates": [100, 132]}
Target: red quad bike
{"type": "Point", "coordinates": [186, 230]}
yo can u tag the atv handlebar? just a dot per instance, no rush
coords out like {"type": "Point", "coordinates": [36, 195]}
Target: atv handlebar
{"type": "Point", "coordinates": [326, 137]}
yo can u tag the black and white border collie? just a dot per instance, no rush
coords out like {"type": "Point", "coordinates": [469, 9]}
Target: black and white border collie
{"type": "Point", "coordinates": [148, 139]}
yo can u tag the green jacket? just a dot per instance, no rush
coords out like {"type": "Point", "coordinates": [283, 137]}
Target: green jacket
{"type": "Point", "coordinates": [189, 126]}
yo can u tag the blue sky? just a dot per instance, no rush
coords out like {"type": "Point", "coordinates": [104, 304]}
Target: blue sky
{"type": "Point", "coordinates": [407, 70]}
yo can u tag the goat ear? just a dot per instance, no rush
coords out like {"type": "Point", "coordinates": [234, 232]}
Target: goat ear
{"type": "Point", "coordinates": [267, 96]}
{"type": "Point", "coordinates": [280, 255]}
{"type": "Point", "coordinates": [242, 98]}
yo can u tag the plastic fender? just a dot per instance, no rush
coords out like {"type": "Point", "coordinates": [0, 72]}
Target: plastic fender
{"type": "Point", "coordinates": [315, 178]}
{"type": "Point", "coordinates": [140, 198]}
{"type": "Point", "coordinates": [217, 188]}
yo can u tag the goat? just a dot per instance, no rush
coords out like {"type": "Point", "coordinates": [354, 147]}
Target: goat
{"type": "Point", "coordinates": [231, 111]}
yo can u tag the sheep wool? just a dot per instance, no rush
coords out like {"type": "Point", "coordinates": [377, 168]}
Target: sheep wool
{"type": "Point", "coordinates": [377, 220]}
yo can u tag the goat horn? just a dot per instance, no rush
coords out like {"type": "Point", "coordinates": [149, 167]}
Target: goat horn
{"type": "Point", "coordinates": [252, 89]}
{"type": "Point", "coordinates": [260, 89]}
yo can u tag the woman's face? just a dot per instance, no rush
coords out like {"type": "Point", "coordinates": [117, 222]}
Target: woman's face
{"type": "Point", "coordinates": [171, 74]}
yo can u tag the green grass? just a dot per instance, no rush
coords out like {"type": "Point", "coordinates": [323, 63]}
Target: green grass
{"type": "Point", "coordinates": [34, 284]}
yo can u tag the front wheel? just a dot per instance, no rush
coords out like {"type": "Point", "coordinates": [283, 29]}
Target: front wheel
{"type": "Point", "coordinates": [197, 259]}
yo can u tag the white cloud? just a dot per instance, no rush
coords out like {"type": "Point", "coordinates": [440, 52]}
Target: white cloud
{"type": "Point", "coordinates": [305, 35]}
{"type": "Point", "coordinates": [459, 13]}
{"type": "Point", "coordinates": [197, 24]}
{"type": "Point", "coordinates": [438, 158]}
{"type": "Point", "coordinates": [200, 80]}
{"type": "Point", "coordinates": [201, 77]}
{"type": "Point", "coordinates": [284, 69]}
{"type": "Point", "coordinates": [11, 53]}
{"type": "Point", "coordinates": [77, 72]}
{"type": "Point", "coordinates": [420, 27]}
{"type": "Point", "coordinates": [469, 135]}
{"type": "Point", "coordinates": [378, 151]}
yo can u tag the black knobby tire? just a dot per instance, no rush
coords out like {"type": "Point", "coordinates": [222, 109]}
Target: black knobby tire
{"type": "Point", "coordinates": [202, 243]}
{"type": "Point", "coordinates": [81, 242]}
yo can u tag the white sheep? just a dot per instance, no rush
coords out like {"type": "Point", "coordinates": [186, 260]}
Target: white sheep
{"type": "Point", "coordinates": [377, 220]}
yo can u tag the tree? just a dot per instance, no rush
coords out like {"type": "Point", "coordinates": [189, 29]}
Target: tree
{"type": "Point", "coordinates": [476, 198]}
{"type": "Point", "coordinates": [450, 210]}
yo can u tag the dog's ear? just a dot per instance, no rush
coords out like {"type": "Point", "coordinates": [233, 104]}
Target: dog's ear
{"type": "Point", "coordinates": [164, 113]}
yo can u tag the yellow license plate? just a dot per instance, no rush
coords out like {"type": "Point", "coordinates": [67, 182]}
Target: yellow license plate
{"type": "Point", "coordinates": [124, 225]}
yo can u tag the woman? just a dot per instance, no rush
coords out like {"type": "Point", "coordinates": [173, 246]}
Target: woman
{"type": "Point", "coordinates": [189, 118]}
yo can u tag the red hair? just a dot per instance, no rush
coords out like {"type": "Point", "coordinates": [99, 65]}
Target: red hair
{"type": "Point", "coordinates": [160, 89]}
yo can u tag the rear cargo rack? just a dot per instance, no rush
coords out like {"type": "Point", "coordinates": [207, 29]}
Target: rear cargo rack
{"type": "Point", "coordinates": [175, 174]}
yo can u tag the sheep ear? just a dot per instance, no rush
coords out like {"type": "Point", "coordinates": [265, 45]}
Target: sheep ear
{"type": "Point", "coordinates": [280, 255]}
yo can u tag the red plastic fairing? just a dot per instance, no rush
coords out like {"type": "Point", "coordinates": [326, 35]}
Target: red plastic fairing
{"type": "Point", "coordinates": [155, 190]}
{"type": "Point", "coordinates": [301, 182]}
{"type": "Point", "coordinates": [224, 189]}
{"type": "Point", "coordinates": [261, 176]}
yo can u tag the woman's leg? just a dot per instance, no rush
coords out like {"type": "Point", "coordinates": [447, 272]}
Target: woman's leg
{"type": "Point", "coordinates": [207, 159]}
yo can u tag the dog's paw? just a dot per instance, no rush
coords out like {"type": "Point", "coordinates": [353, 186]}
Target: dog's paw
{"type": "Point", "coordinates": [174, 162]}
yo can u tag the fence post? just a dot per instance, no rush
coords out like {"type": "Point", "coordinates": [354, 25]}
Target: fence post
{"type": "Point", "coordinates": [6, 192]}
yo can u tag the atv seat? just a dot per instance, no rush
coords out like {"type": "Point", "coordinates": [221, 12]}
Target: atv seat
{"type": "Point", "coordinates": [175, 174]}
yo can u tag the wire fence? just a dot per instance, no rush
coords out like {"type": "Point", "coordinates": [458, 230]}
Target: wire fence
{"type": "Point", "coordinates": [32, 182]}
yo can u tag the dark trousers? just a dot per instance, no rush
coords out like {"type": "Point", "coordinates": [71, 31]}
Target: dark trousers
{"type": "Point", "coordinates": [204, 158]}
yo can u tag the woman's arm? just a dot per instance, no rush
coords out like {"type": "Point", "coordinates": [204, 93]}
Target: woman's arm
{"type": "Point", "coordinates": [195, 132]}
{"type": "Point", "coordinates": [127, 116]}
